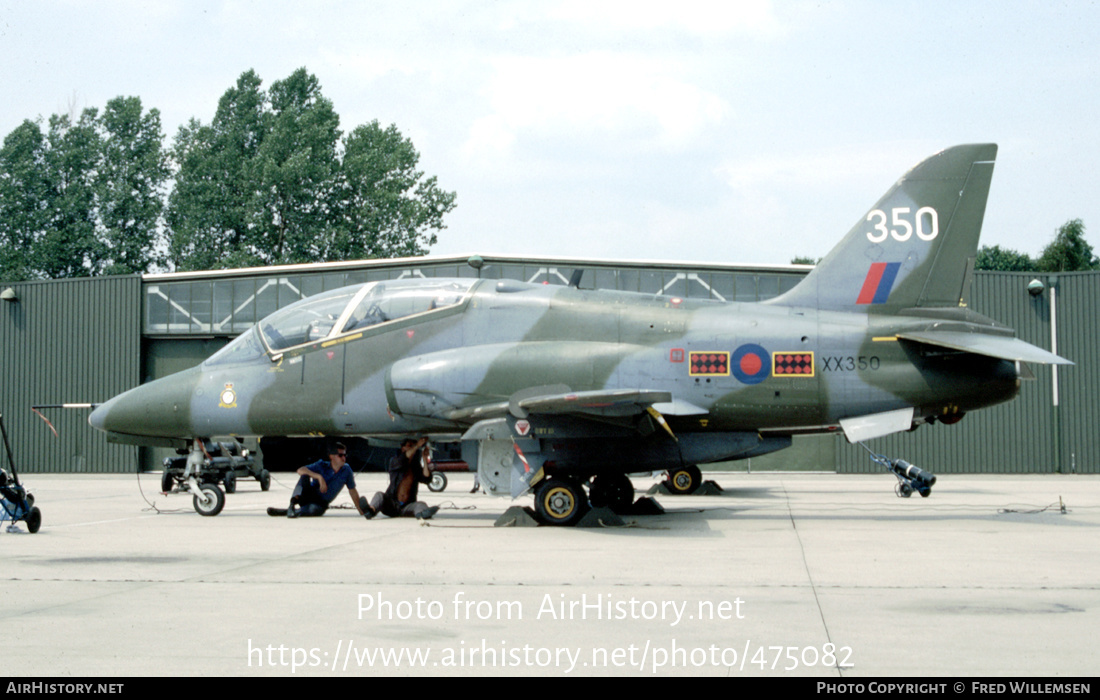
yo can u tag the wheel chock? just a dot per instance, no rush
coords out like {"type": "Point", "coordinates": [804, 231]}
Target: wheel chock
{"type": "Point", "coordinates": [517, 516]}
{"type": "Point", "coordinates": [707, 488]}
{"type": "Point", "coordinates": [643, 506]}
{"type": "Point", "coordinates": [600, 517]}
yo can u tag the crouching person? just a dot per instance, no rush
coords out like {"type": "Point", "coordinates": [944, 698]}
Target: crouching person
{"type": "Point", "coordinates": [319, 484]}
{"type": "Point", "coordinates": [407, 471]}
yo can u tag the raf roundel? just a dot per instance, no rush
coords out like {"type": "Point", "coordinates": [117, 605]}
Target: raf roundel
{"type": "Point", "coordinates": [750, 364]}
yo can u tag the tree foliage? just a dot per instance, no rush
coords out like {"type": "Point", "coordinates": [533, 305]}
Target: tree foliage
{"type": "Point", "coordinates": [1002, 259]}
{"type": "Point", "coordinates": [1069, 251]}
{"type": "Point", "coordinates": [84, 197]}
{"type": "Point", "coordinates": [272, 180]}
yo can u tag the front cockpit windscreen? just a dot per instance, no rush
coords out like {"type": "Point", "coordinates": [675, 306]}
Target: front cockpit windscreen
{"type": "Point", "coordinates": [245, 348]}
{"type": "Point", "coordinates": [352, 309]}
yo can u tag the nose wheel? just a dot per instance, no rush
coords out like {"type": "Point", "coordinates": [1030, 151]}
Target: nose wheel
{"type": "Point", "coordinates": [209, 500]}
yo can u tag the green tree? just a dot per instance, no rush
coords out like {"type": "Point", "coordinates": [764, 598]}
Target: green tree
{"type": "Point", "coordinates": [272, 180]}
{"type": "Point", "coordinates": [296, 206]}
{"type": "Point", "coordinates": [1069, 251]}
{"type": "Point", "coordinates": [68, 247]}
{"type": "Point", "coordinates": [1002, 259]}
{"type": "Point", "coordinates": [389, 210]}
{"type": "Point", "coordinates": [83, 198]}
{"type": "Point", "coordinates": [209, 208]}
{"type": "Point", "coordinates": [24, 191]}
{"type": "Point", "coordinates": [132, 171]}
{"type": "Point", "coordinates": [804, 260]}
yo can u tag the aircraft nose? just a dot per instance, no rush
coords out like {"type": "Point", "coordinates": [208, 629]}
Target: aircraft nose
{"type": "Point", "coordinates": [161, 408]}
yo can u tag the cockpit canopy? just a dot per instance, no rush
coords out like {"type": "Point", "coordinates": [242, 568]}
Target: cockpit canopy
{"type": "Point", "coordinates": [342, 311]}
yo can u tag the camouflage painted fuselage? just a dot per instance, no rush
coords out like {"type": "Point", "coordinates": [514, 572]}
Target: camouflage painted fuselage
{"type": "Point", "coordinates": [728, 367]}
{"type": "Point", "coordinates": [876, 339]}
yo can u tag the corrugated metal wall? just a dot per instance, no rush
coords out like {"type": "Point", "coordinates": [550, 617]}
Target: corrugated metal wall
{"type": "Point", "coordinates": [1078, 303]}
{"type": "Point", "coordinates": [68, 341]}
{"type": "Point", "coordinates": [1021, 436]}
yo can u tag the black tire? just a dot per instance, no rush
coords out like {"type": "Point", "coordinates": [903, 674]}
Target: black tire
{"type": "Point", "coordinates": [230, 481]}
{"type": "Point", "coordinates": [684, 480]}
{"type": "Point", "coordinates": [265, 480]}
{"type": "Point", "coordinates": [34, 520]}
{"type": "Point", "coordinates": [166, 481]}
{"type": "Point", "coordinates": [616, 491]}
{"type": "Point", "coordinates": [212, 502]}
{"type": "Point", "coordinates": [560, 502]}
{"type": "Point", "coordinates": [438, 482]}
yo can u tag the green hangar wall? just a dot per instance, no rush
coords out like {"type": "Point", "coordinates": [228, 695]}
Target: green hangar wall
{"type": "Point", "coordinates": [87, 340]}
{"type": "Point", "coordinates": [67, 341]}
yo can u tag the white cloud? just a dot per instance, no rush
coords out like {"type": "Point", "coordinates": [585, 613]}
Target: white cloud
{"type": "Point", "coordinates": [877, 161]}
{"type": "Point", "coordinates": [593, 94]}
{"type": "Point", "coordinates": [700, 17]}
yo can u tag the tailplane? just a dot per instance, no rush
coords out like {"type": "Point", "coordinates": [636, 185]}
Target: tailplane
{"type": "Point", "coordinates": [915, 247]}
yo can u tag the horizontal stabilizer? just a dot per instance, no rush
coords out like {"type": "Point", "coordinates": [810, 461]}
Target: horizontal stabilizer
{"type": "Point", "coordinates": [1001, 347]}
{"type": "Point", "coordinates": [860, 428]}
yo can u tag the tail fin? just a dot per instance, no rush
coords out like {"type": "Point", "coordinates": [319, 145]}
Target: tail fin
{"type": "Point", "coordinates": [916, 247]}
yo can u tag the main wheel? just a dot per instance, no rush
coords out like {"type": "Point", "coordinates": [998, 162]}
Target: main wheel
{"type": "Point", "coordinates": [560, 501]}
{"type": "Point", "coordinates": [616, 491]}
{"type": "Point", "coordinates": [34, 520]}
{"type": "Point", "coordinates": [438, 482]}
{"type": "Point", "coordinates": [210, 501]}
{"type": "Point", "coordinates": [684, 480]}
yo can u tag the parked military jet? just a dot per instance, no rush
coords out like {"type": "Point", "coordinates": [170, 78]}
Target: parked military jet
{"type": "Point", "coordinates": [552, 388]}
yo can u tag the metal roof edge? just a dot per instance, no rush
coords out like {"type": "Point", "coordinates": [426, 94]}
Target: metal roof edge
{"type": "Point", "coordinates": [460, 259]}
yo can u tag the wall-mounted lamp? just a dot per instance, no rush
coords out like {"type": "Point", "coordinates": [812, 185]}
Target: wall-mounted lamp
{"type": "Point", "coordinates": [9, 295]}
{"type": "Point", "coordinates": [1035, 288]}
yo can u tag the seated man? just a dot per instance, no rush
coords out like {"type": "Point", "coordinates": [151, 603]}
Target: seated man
{"type": "Point", "coordinates": [407, 471]}
{"type": "Point", "coordinates": [319, 485]}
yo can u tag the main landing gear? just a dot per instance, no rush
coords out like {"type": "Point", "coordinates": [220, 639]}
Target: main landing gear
{"type": "Point", "coordinates": [562, 500]}
{"type": "Point", "coordinates": [684, 480]}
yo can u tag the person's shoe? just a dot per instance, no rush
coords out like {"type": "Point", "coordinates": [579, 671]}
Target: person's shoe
{"type": "Point", "coordinates": [364, 506]}
{"type": "Point", "coordinates": [427, 513]}
{"type": "Point", "coordinates": [293, 512]}
{"type": "Point", "coordinates": [277, 512]}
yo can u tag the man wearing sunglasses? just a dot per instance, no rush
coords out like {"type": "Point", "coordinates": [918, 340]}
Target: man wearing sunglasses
{"type": "Point", "coordinates": [319, 485]}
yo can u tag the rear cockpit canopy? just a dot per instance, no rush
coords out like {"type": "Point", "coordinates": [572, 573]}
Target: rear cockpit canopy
{"type": "Point", "coordinates": [342, 311]}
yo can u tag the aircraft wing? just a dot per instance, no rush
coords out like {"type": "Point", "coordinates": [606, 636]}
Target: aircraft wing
{"type": "Point", "coordinates": [562, 412]}
{"type": "Point", "coordinates": [1001, 347]}
{"type": "Point", "coordinates": [607, 403]}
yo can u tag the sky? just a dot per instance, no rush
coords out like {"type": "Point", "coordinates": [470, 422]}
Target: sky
{"type": "Point", "coordinates": [730, 131]}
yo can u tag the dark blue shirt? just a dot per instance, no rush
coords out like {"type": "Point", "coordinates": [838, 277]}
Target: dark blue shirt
{"type": "Point", "coordinates": [336, 480]}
